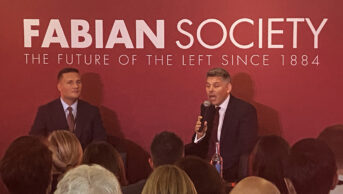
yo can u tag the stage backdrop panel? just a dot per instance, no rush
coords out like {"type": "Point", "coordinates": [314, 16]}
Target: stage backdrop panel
{"type": "Point", "coordinates": [143, 63]}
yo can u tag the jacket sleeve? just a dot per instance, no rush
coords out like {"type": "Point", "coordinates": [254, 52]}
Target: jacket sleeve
{"type": "Point", "coordinates": [39, 126]}
{"type": "Point", "coordinates": [99, 132]}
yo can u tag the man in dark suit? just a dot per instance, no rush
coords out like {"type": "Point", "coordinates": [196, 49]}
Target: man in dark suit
{"type": "Point", "coordinates": [229, 121]}
{"type": "Point", "coordinates": [69, 112]}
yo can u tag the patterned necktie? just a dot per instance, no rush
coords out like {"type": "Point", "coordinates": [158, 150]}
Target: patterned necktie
{"type": "Point", "coordinates": [214, 134]}
{"type": "Point", "coordinates": [70, 119]}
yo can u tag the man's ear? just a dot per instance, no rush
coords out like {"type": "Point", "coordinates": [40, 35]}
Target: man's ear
{"type": "Point", "coordinates": [59, 86]}
{"type": "Point", "coordinates": [151, 163]}
{"type": "Point", "coordinates": [334, 181]}
{"type": "Point", "coordinates": [229, 88]}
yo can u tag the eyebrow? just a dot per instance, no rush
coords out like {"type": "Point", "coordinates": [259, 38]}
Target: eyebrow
{"type": "Point", "coordinates": [212, 83]}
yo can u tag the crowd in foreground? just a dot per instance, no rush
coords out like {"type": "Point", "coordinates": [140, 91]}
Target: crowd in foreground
{"type": "Point", "coordinates": [58, 164]}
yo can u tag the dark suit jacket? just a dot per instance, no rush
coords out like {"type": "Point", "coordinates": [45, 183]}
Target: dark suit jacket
{"type": "Point", "coordinates": [52, 117]}
{"type": "Point", "coordinates": [238, 135]}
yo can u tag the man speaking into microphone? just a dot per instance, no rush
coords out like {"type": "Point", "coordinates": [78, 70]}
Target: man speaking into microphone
{"type": "Point", "coordinates": [229, 121]}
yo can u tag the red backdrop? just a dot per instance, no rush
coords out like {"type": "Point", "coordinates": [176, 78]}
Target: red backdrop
{"type": "Point", "coordinates": [137, 101]}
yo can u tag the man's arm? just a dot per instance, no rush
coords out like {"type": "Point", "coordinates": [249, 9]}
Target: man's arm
{"type": "Point", "coordinates": [199, 143]}
{"type": "Point", "coordinates": [199, 135]}
{"type": "Point", "coordinates": [248, 130]}
{"type": "Point", "coordinates": [99, 132]}
{"type": "Point", "coordinates": [247, 139]}
{"type": "Point", "coordinates": [39, 126]}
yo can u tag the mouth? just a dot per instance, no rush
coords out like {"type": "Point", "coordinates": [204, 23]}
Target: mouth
{"type": "Point", "coordinates": [212, 97]}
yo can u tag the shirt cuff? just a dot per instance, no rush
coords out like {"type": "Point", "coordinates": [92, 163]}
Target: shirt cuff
{"type": "Point", "coordinates": [196, 139]}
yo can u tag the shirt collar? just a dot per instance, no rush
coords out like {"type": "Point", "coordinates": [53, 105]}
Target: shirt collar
{"type": "Point", "coordinates": [224, 104]}
{"type": "Point", "coordinates": [65, 105]}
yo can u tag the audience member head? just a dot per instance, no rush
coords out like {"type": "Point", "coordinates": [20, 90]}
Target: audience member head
{"type": "Point", "coordinates": [26, 166]}
{"type": "Point", "coordinates": [66, 149]}
{"type": "Point", "coordinates": [168, 179]}
{"type": "Point", "coordinates": [86, 179]}
{"type": "Point", "coordinates": [255, 185]}
{"type": "Point", "coordinates": [204, 176]}
{"type": "Point", "coordinates": [312, 167]}
{"type": "Point", "coordinates": [107, 156]}
{"type": "Point", "coordinates": [333, 136]}
{"type": "Point", "coordinates": [166, 148]}
{"type": "Point", "coordinates": [269, 158]}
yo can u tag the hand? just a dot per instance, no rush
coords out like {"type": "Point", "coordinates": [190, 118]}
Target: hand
{"type": "Point", "coordinates": [200, 134]}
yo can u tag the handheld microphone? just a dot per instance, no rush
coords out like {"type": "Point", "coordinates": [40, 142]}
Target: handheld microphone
{"type": "Point", "coordinates": [204, 109]}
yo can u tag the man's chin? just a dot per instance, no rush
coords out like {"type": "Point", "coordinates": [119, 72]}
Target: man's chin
{"type": "Point", "coordinates": [214, 102]}
{"type": "Point", "coordinates": [74, 98]}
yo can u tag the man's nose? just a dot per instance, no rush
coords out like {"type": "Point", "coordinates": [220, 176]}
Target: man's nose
{"type": "Point", "coordinates": [211, 88]}
{"type": "Point", "coordinates": [76, 85]}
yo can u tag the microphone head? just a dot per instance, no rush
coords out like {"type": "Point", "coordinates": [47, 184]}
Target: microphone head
{"type": "Point", "coordinates": [206, 103]}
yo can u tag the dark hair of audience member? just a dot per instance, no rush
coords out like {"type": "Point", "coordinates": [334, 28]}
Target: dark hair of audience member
{"type": "Point", "coordinates": [312, 167]}
{"type": "Point", "coordinates": [269, 159]}
{"type": "Point", "coordinates": [26, 166]}
{"type": "Point", "coordinates": [333, 136]}
{"type": "Point", "coordinates": [107, 156]}
{"type": "Point", "coordinates": [205, 177]}
{"type": "Point", "coordinates": [166, 148]}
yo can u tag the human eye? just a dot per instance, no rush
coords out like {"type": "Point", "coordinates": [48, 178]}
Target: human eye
{"type": "Point", "coordinates": [216, 85]}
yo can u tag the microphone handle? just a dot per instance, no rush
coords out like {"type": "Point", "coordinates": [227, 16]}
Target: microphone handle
{"type": "Point", "coordinates": [203, 113]}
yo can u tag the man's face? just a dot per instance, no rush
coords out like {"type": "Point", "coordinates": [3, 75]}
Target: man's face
{"type": "Point", "coordinates": [217, 90]}
{"type": "Point", "coordinates": [70, 86]}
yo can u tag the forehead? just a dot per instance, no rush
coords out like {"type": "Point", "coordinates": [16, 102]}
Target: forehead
{"type": "Point", "coordinates": [216, 79]}
{"type": "Point", "coordinates": [70, 76]}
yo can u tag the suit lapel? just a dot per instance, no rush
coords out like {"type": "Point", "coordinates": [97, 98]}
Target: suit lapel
{"type": "Point", "coordinates": [79, 118]}
{"type": "Point", "coordinates": [228, 118]}
{"type": "Point", "coordinates": [60, 115]}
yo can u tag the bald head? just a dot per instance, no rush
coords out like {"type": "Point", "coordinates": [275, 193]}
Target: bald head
{"type": "Point", "coordinates": [255, 185]}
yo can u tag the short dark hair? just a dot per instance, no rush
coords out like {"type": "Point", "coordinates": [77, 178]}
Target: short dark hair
{"type": "Point", "coordinates": [204, 176]}
{"type": "Point", "coordinates": [312, 167]}
{"type": "Point", "coordinates": [66, 70]}
{"type": "Point", "coordinates": [269, 160]}
{"type": "Point", "coordinates": [166, 148]}
{"type": "Point", "coordinates": [107, 156]}
{"type": "Point", "coordinates": [26, 166]}
{"type": "Point", "coordinates": [333, 136]}
{"type": "Point", "coordinates": [219, 72]}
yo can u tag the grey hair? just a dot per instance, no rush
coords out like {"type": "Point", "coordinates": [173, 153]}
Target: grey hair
{"type": "Point", "coordinates": [219, 72]}
{"type": "Point", "coordinates": [86, 179]}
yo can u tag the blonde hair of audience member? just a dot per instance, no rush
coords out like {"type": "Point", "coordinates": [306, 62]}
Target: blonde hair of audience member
{"type": "Point", "coordinates": [86, 179]}
{"type": "Point", "coordinates": [66, 149]}
{"type": "Point", "coordinates": [168, 179]}
{"type": "Point", "coordinates": [255, 185]}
